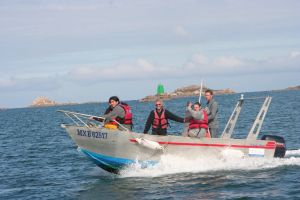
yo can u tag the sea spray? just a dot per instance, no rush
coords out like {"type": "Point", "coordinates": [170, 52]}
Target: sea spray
{"type": "Point", "coordinates": [294, 152]}
{"type": "Point", "coordinates": [170, 164]}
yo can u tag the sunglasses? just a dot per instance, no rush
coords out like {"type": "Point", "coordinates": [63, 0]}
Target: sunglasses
{"type": "Point", "coordinates": [158, 104]}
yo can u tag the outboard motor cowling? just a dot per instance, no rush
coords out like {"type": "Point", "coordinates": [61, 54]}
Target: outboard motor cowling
{"type": "Point", "coordinates": [280, 144]}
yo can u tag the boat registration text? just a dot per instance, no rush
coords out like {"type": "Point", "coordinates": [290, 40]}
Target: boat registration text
{"type": "Point", "coordinates": [92, 134]}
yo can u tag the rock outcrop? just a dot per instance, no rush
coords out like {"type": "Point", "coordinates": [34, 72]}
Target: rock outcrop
{"type": "Point", "coordinates": [164, 96]}
{"type": "Point", "coordinates": [192, 90]}
{"type": "Point", "coordinates": [42, 101]}
{"type": "Point", "coordinates": [293, 88]}
{"type": "Point", "coordinates": [288, 88]}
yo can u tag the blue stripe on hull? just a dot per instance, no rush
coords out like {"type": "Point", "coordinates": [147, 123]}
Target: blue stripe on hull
{"type": "Point", "coordinates": [256, 155]}
{"type": "Point", "coordinates": [114, 164]}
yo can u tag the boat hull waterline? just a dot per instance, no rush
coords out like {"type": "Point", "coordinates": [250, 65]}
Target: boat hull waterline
{"type": "Point", "coordinates": [112, 150]}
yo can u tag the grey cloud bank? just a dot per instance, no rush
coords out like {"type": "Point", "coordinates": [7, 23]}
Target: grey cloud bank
{"type": "Point", "coordinates": [69, 49]}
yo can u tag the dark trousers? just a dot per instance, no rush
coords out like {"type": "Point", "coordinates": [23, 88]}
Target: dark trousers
{"type": "Point", "coordinates": [159, 131]}
{"type": "Point", "coordinates": [213, 132]}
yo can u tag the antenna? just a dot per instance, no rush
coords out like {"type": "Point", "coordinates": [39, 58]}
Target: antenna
{"type": "Point", "coordinates": [200, 91]}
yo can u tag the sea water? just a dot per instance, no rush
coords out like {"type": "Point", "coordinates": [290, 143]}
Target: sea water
{"type": "Point", "coordinates": [40, 161]}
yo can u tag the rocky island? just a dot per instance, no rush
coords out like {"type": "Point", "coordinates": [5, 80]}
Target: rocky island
{"type": "Point", "coordinates": [44, 101]}
{"type": "Point", "coordinates": [192, 90]}
{"type": "Point", "coordinates": [287, 89]}
{"type": "Point", "coordinates": [293, 88]}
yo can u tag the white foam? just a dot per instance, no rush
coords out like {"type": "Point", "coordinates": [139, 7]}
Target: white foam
{"type": "Point", "coordinates": [295, 152]}
{"type": "Point", "coordinates": [170, 164]}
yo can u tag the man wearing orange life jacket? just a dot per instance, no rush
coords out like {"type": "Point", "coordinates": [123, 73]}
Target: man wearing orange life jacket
{"type": "Point", "coordinates": [158, 119]}
{"type": "Point", "coordinates": [198, 121]}
{"type": "Point", "coordinates": [119, 112]}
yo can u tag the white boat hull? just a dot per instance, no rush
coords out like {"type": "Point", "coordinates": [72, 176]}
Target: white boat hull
{"type": "Point", "coordinates": [114, 149]}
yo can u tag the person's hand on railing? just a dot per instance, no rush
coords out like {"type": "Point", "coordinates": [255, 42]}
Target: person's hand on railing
{"type": "Point", "coordinates": [100, 119]}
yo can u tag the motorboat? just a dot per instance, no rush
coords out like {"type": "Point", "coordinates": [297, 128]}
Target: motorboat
{"type": "Point", "coordinates": [112, 149]}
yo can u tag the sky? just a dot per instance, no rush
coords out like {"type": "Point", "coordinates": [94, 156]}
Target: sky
{"type": "Point", "coordinates": [87, 50]}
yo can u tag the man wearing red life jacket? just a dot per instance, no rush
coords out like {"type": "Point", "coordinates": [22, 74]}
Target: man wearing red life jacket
{"type": "Point", "coordinates": [119, 112]}
{"type": "Point", "coordinates": [198, 121]}
{"type": "Point", "coordinates": [158, 119]}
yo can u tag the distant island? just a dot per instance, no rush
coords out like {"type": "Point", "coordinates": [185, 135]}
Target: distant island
{"type": "Point", "coordinates": [192, 90]}
{"type": "Point", "coordinates": [44, 101]}
{"type": "Point", "coordinates": [188, 91]}
{"type": "Point", "coordinates": [293, 88]}
{"type": "Point", "coordinates": [287, 89]}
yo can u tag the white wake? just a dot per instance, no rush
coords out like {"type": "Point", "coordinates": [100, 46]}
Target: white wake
{"type": "Point", "coordinates": [170, 164]}
{"type": "Point", "coordinates": [295, 152]}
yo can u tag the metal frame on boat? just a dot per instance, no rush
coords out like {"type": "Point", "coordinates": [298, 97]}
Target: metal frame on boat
{"type": "Point", "coordinates": [114, 149]}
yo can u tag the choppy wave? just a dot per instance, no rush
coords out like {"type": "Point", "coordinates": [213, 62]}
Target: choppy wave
{"type": "Point", "coordinates": [170, 164]}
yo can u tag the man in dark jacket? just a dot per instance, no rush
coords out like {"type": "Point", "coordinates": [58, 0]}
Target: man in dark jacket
{"type": "Point", "coordinates": [158, 119]}
{"type": "Point", "coordinates": [212, 111]}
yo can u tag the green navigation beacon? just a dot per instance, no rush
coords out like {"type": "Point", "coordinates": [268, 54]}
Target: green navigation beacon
{"type": "Point", "coordinates": [160, 89]}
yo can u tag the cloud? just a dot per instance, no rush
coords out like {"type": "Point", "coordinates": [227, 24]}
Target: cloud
{"type": "Point", "coordinates": [197, 60]}
{"type": "Point", "coordinates": [4, 83]}
{"type": "Point", "coordinates": [77, 8]}
{"type": "Point", "coordinates": [180, 31]}
{"type": "Point", "coordinates": [142, 69]}
{"type": "Point", "coordinates": [30, 84]}
{"type": "Point", "coordinates": [295, 54]}
{"type": "Point", "coordinates": [230, 61]}
{"type": "Point", "coordinates": [200, 59]}
{"type": "Point", "coordinates": [137, 70]}
{"type": "Point", "coordinates": [218, 65]}
{"type": "Point", "coordinates": [198, 65]}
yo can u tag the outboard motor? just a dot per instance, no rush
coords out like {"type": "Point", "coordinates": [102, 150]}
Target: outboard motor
{"type": "Point", "coordinates": [280, 144]}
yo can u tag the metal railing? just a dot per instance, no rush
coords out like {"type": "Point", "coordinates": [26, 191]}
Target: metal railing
{"type": "Point", "coordinates": [81, 119]}
{"type": "Point", "coordinates": [253, 134]}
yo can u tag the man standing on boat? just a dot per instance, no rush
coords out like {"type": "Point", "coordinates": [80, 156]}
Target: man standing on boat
{"type": "Point", "coordinates": [117, 112]}
{"type": "Point", "coordinates": [158, 119]}
{"type": "Point", "coordinates": [212, 111]}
